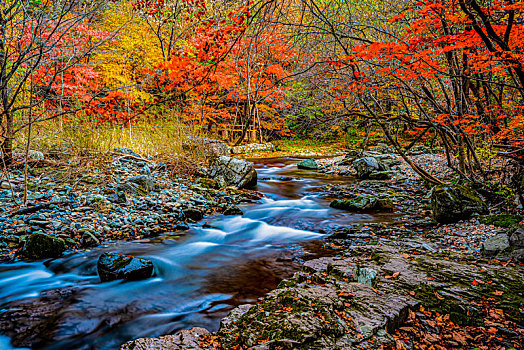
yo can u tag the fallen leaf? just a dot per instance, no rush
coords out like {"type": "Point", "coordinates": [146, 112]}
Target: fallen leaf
{"type": "Point", "coordinates": [498, 293]}
{"type": "Point", "coordinates": [405, 255]}
{"type": "Point", "coordinates": [396, 274]}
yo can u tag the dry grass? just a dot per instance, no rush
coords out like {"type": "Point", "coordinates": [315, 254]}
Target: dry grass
{"type": "Point", "coordinates": [82, 145]}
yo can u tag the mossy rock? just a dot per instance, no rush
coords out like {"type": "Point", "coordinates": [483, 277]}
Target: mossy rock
{"type": "Point", "coordinates": [41, 246]}
{"type": "Point", "coordinates": [207, 183]}
{"type": "Point", "coordinates": [452, 203]}
{"type": "Point", "coordinates": [502, 220]}
{"type": "Point", "coordinates": [363, 203]}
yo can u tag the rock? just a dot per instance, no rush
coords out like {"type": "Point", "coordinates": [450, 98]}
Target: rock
{"type": "Point", "coordinates": [233, 210]}
{"type": "Point", "coordinates": [193, 214]}
{"type": "Point", "coordinates": [452, 203]}
{"type": "Point", "coordinates": [90, 240]}
{"type": "Point", "coordinates": [127, 152]}
{"type": "Point", "coordinates": [117, 198]}
{"type": "Point", "coordinates": [113, 266]}
{"type": "Point", "coordinates": [367, 165]}
{"type": "Point", "coordinates": [516, 237]}
{"type": "Point", "coordinates": [381, 175]}
{"type": "Point", "coordinates": [35, 155]}
{"type": "Point", "coordinates": [308, 164]}
{"type": "Point", "coordinates": [207, 183]}
{"type": "Point", "coordinates": [41, 246]}
{"type": "Point", "coordinates": [496, 244]}
{"type": "Point", "coordinates": [209, 147]}
{"type": "Point", "coordinates": [253, 147]}
{"type": "Point", "coordinates": [138, 185]}
{"type": "Point", "coordinates": [363, 203]}
{"type": "Point", "coordinates": [189, 339]}
{"type": "Point", "coordinates": [350, 157]}
{"type": "Point", "coordinates": [233, 172]}
{"type": "Point", "coordinates": [366, 275]}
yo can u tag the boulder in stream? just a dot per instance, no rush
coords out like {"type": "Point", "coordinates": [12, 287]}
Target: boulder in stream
{"type": "Point", "coordinates": [233, 172]}
{"type": "Point", "coordinates": [233, 210]}
{"type": "Point", "coordinates": [308, 164]}
{"type": "Point", "coordinates": [113, 266]}
{"type": "Point", "coordinates": [452, 203]}
{"type": "Point", "coordinates": [41, 246]}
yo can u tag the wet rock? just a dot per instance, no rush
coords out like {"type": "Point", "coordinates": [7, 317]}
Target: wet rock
{"type": "Point", "coordinates": [233, 210]}
{"type": "Point", "coordinates": [113, 266]}
{"type": "Point", "coordinates": [209, 147]}
{"type": "Point", "coordinates": [207, 183]}
{"type": "Point", "coordinates": [193, 214]}
{"type": "Point", "coordinates": [363, 203]}
{"type": "Point", "coordinates": [452, 203]}
{"type": "Point", "coordinates": [367, 165]}
{"type": "Point", "coordinates": [41, 246]}
{"type": "Point", "coordinates": [233, 172]}
{"type": "Point", "coordinates": [89, 239]}
{"type": "Point", "coordinates": [184, 340]}
{"type": "Point", "coordinates": [182, 226]}
{"type": "Point", "coordinates": [308, 164]}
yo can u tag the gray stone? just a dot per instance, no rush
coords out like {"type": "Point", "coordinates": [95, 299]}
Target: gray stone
{"type": "Point", "coordinates": [496, 244]}
{"type": "Point", "coordinates": [452, 203]}
{"type": "Point", "coordinates": [308, 164]}
{"type": "Point", "coordinates": [208, 147]}
{"type": "Point", "coordinates": [138, 185]}
{"type": "Point", "coordinates": [233, 172]}
{"type": "Point", "coordinates": [126, 151]}
{"type": "Point", "coordinates": [516, 237]}
{"type": "Point", "coordinates": [253, 147]}
{"type": "Point", "coordinates": [184, 340]}
{"type": "Point", "coordinates": [41, 246]}
{"type": "Point", "coordinates": [367, 165]}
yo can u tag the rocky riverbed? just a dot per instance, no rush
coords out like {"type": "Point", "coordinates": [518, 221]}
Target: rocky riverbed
{"type": "Point", "coordinates": [407, 284]}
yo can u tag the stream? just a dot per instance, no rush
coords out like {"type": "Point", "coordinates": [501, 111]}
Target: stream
{"type": "Point", "coordinates": [200, 275]}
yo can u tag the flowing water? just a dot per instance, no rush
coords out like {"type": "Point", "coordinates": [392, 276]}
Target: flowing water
{"type": "Point", "coordinates": [200, 276]}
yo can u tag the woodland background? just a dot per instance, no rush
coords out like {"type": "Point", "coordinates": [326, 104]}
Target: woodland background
{"type": "Point", "coordinates": [86, 75]}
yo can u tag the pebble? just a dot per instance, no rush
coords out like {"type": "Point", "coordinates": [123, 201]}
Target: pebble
{"type": "Point", "coordinates": [90, 210]}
